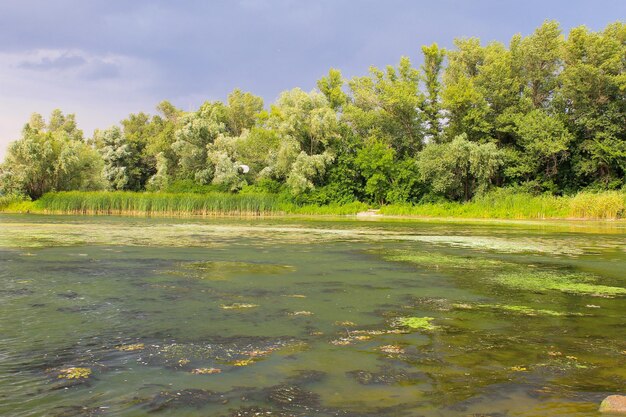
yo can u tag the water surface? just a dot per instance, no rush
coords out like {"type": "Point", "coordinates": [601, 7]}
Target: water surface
{"type": "Point", "coordinates": [106, 316]}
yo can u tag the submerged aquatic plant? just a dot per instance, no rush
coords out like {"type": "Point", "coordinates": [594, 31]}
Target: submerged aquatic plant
{"type": "Point", "coordinates": [206, 371]}
{"type": "Point", "coordinates": [440, 260]}
{"type": "Point", "coordinates": [243, 362]}
{"type": "Point", "coordinates": [514, 309]}
{"type": "Point", "coordinates": [74, 373]}
{"type": "Point", "coordinates": [237, 306]}
{"type": "Point", "coordinates": [219, 270]}
{"type": "Point", "coordinates": [391, 349]}
{"type": "Point", "coordinates": [131, 348]}
{"type": "Point", "coordinates": [416, 323]}
{"type": "Point", "coordinates": [301, 313]}
{"type": "Point", "coordinates": [573, 283]}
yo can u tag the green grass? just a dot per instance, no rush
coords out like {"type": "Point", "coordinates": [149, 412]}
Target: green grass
{"type": "Point", "coordinates": [7, 201]}
{"type": "Point", "coordinates": [499, 204]}
{"type": "Point", "coordinates": [503, 204]}
{"type": "Point", "coordinates": [120, 202]}
{"type": "Point", "coordinates": [172, 204]}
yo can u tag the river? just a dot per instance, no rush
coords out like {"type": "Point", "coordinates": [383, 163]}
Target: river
{"type": "Point", "coordinates": [115, 316]}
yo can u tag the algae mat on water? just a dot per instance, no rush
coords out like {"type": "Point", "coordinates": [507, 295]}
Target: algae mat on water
{"type": "Point", "coordinates": [128, 317]}
{"type": "Point", "coordinates": [510, 274]}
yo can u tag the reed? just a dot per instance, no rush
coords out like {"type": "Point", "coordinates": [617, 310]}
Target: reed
{"type": "Point", "coordinates": [500, 204]}
{"type": "Point", "coordinates": [124, 202]}
{"type": "Point", "coordinates": [505, 204]}
{"type": "Point", "coordinates": [175, 204]}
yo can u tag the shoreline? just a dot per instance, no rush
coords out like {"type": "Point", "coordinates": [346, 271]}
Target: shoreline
{"type": "Point", "coordinates": [358, 217]}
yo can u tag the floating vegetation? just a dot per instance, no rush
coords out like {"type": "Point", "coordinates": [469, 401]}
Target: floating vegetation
{"type": "Point", "coordinates": [194, 398]}
{"type": "Point", "coordinates": [301, 313]}
{"type": "Point", "coordinates": [243, 362]}
{"type": "Point", "coordinates": [345, 323]}
{"type": "Point", "coordinates": [258, 411]}
{"type": "Point", "coordinates": [391, 349]}
{"type": "Point", "coordinates": [131, 348]}
{"type": "Point", "coordinates": [293, 396]}
{"type": "Point", "coordinates": [519, 368]}
{"type": "Point", "coordinates": [220, 270]}
{"type": "Point", "coordinates": [74, 373]}
{"type": "Point", "coordinates": [386, 376]}
{"type": "Point", "coordinates": [344, 341]}
{"type": "Point", "coordinates": [436, 260]}
{"type": "Point", "coordinates": [294, 295]}
{"type": "Point", "coordinates": [572, 283]}
{"type": "Point", "coordinates": [206, 371]}
{"type": "Point", "coordinates": [515, 309]}
{"type": "Point", "coordinates": [416, 323]}
{"type": "Point", "coordinates": [209, 355]}
{"type": "Point", "coordinates": [237, 306]}
{"type": "Point", "coordinates": [79, 411]}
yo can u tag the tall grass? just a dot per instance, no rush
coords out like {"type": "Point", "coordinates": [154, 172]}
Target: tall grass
{"type": "Point", "coordinates": [607, 205]}
{"type": "Point", "coordinates": [175, 204]}
{"type": "Point", "coordinates": [10, 200]}
{"type": "Point", "coordinates": [499, 204]}
{"type": "Point", "coordinates": [504, 204]}
{"type": "Point", "coordinates": [124, 202]}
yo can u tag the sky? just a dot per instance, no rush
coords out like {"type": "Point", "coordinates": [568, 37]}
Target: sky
{"type": "Point", "coordinates": [105, 59]}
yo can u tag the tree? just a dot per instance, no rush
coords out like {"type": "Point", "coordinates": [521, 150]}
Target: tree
{"type": "Point", "coordinates": [305, 117]}
{"type": "Point", "coordinates": [460, 168]}
{"type": "Point", "coordinates": [376, 162]}
{"type": "Point", "coordinates": [332, 87]}
{"type": "Point", "coordinates": [388, 104]}
{"type": "Point", "coordinates": [466, 106]}
{"type": "Point", "coordinates": [538, 59]}
{"type": "Point", "coordinates": [120, 169]}
{"type": "Point", "coordinates": [305, 170]}
{"type": "Point", "coordinates": [592, 98]}
{"type": "Point", "coordinates": [198, 130]}
{"type": "Point", "coordinates": [243, 109]}
{"type": "Point", "coordinates": [433, 61]}
{"type": "Point", "coordinates": [50, 157]}
{"type": "Point", "coordinates": [545, 141]}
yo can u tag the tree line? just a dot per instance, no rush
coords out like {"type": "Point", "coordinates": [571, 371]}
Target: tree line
{"type": "Point", "coordinates": [545, 114]}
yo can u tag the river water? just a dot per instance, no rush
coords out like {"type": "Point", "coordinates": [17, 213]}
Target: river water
{"type": "Point", "coordinates": [108, 316]}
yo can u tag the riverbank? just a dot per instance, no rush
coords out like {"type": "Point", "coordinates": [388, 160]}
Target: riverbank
{"type": "Point", "coordinates": [609, 205]}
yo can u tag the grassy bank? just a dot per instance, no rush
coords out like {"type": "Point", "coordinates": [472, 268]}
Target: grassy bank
{"type": "Point", "coordinates": [506, 205]}
{"type": "Point", "coordinates": [170, 204]}
{"type": "Point", "coordinates": [500, 204]}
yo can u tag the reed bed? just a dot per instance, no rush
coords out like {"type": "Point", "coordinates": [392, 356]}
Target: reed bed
{"type": "Point", "coordinates": [123, 202]}
{"type": "Point", "coordinates": [500, 204]}
{"type": "Point", "coordinates": [174, 204]}
{"type": "Point", "coordinates": [503, 204]}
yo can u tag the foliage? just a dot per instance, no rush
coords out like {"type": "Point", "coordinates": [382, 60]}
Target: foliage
{"type": "Point", "coordinates": [52, 157]}
{"type": "Point", "coordinates": [460, 168]}
{"type": "Point", "coordinates": [542, 115]}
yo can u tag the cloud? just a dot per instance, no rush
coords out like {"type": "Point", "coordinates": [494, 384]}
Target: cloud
{"type": "Point", "coordinates": [103, 59]}
{"type": "Point", "coordinates": [51, 63]}
{"type": "Point", "coordinates": [100, 88]}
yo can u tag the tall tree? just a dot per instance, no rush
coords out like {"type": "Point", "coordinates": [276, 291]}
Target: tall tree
{"type": "Point", "coordinates": [50, 157]}
{"type": "Point", "coordinates": [433, 64]}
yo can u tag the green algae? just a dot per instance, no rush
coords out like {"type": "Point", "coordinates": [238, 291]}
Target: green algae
{"type": "Point", "coordinates": [74, 373]}
{"type": "Point", "coordinates": [571, 283]}
{"type": "Point", "coordinates": [416, 323]}
{"type": "Point", "coordinates": [510, 274]}
{"type": "Point", "coordinates": [220, 270]}
{"type": "Point", "coordinates": [439, 260]}
{"type": "Point", "coordinates": [514, 309]}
